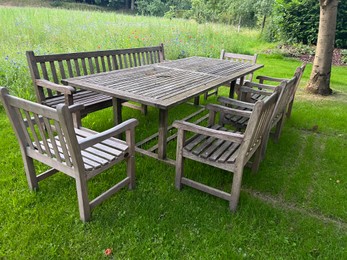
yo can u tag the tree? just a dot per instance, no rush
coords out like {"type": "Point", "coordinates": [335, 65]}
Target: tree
{"type": "Point", "coordinates": [320, 76]}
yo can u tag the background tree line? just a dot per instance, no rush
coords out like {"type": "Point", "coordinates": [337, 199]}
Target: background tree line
{"type": "Point", "coordinates": [292, 21]}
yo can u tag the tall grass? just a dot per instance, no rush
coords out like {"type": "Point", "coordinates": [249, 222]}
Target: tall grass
{"type": "Point", "coordinates": [55, 30]}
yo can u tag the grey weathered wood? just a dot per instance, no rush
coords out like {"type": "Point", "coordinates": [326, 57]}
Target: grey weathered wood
{"type": "Point", "coordinates": [298, 73]}
{"type": "Point", "coordinates": [222, 148]}
{"type": "Point", "coordinates": [49, 136]}
{"type": "Point", "coordinates": [287, 87]}
{"type": "Point", "coordinates": [162, 133]}
{"type": "Point", "coordinates": [235, 57]}
{"type": "Point", "coordinates": [164, 85]}
{"type": "Point", "coordinates": [47, 71]}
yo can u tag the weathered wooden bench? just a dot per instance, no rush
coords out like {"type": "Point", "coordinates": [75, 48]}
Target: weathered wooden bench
{"type": "Point", "coordinates": [48, 135]}
{"type": "Point", "coordinates": [225, 149]}
{"type": "Point", "coordinates": [47, 71]}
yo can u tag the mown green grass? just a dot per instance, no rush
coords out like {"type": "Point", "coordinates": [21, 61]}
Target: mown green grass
{"type": "Point", "coordinates": [303, 178]}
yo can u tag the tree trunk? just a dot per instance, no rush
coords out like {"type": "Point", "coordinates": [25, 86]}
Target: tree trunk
{"type": "Point", "coordinates": [263, 24]}
{"type": "Point", "coordinates": [320, 76]}
{"type": "Point", "coordinates": [132, 5]}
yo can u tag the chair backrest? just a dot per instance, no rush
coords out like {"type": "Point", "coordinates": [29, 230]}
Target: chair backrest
{"type": "Point", "coordinates": [55, 67]}
{"type": "Point", "coordinates": [288, 88]}
{"type": "Point", "coordinates": [298, 74]}
{"type": "Point", "coordinates": [258, 125]}
{"type": "Point", "coordinates": [44, 133]}
{"type": "Point", "coordinates": [252, 59]}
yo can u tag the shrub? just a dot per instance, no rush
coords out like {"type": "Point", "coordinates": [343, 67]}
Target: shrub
{"type": "Point", "coordinates": [298, 21]}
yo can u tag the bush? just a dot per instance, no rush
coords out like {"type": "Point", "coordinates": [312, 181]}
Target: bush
{"type": "Point", "coordinates": [298, 21]}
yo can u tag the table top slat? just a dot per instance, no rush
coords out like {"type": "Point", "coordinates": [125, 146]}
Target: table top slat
{"type": "Point", "coordinates": [164, 84]}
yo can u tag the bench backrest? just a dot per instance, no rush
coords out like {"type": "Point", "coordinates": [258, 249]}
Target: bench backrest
{"type": "Point", "coordinates": [55, 67]}
{"type": "Point", "coordinates": [44, 133]}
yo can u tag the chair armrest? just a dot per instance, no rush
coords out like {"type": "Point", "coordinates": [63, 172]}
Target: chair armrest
{"type": "Point", "coordinates": [76, 108]}
{"type": "Point", "coordinates": [51, 85]}
{"type": "Point", "coordinates": [262, 78]}
{"type": "Point", "coordinates": [228, 110]}
{"type": "Point", "coordinates": [259, 85]}
{"type": "Point", "coordinates": [255, 91]}
{"type": "Point", "coordinates": [116, 130]}
{"type": "Point", "coordinates": [238, 103]}
{"type": "Point", "coordinates": [224, 135]}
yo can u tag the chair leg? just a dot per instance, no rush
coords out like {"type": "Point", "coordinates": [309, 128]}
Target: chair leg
{"type": "Point", "coordinates": [130, 139]}
{"type": "Point", "coordinates": [179, 159]}
{"type": "Point", "coordinates": [257, 159]}
{"type": "Point", "coordinates": [278, 130]}
{"type": "Point", "coordinates": [289, 110]}
{"type": "Point", "coordinates": [30, 172]}
{"type": "Point", "coordinates": [264, 145]}
{"type": "Point", "coordinates": [82, 196]}
{"type": "Point", "coordinates": [235, 190]}
{"type": "Point", "coordinates": [131, 171]}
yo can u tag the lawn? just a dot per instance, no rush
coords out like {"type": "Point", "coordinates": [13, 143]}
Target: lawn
{"type": "Point", "coordinates": [294, 207]}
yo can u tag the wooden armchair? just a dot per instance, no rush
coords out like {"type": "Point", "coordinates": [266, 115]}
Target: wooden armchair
{"type": "Point", "coordinates": [222, 148]}
{"type": "Point", "coordinates": [252, 59]}
{"type": "Point", "coordinates": [298, 73]}
{"type": "Point", "coordinates": [48, 135]}
{"type": "Point", "coordinates": [250, 89]}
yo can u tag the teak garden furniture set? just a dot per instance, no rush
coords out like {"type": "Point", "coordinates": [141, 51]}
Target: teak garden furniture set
{"type": "Point", "coordinates": [50, 131]}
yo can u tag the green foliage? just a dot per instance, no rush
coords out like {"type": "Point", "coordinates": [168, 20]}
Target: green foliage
{"type": "Point", "coordinates": [223, 11]}
{"type": "Point", "coordinates": [151, 7]}
{"type": "Point", "coordinates": [161, 8]}
{"type": "Point", "coordinates": [298, 21]}
{"type": "Point", "coordinates": [38, 29]}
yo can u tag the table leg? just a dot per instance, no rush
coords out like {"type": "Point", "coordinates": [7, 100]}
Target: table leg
{"type": "Point", "coordinates": [197, 100]}
{"type": "Point", "coordinates": [117, 110]}
{"type": "Point", "coordinates": [232, 89]}
{"type": "Point", "coordinates": [163, 121]}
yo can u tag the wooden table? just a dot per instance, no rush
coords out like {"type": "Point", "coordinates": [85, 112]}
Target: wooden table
{"type": "Point", "coordinates": [164, 85]}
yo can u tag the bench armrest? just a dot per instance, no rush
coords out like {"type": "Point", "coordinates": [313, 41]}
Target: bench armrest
{"type": "Point", "coordinates": [67, 90]}
{"type": "Point", "coordinates": [116, 130]}
{"type": "Point", "coordinates": [262, 78]}
{"type": "Point", "coordinates": [224, 135]}
{"type": "Point", "coordinates": [238, 103]}
{"type": "Point", "coordinates": [228, 110]}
